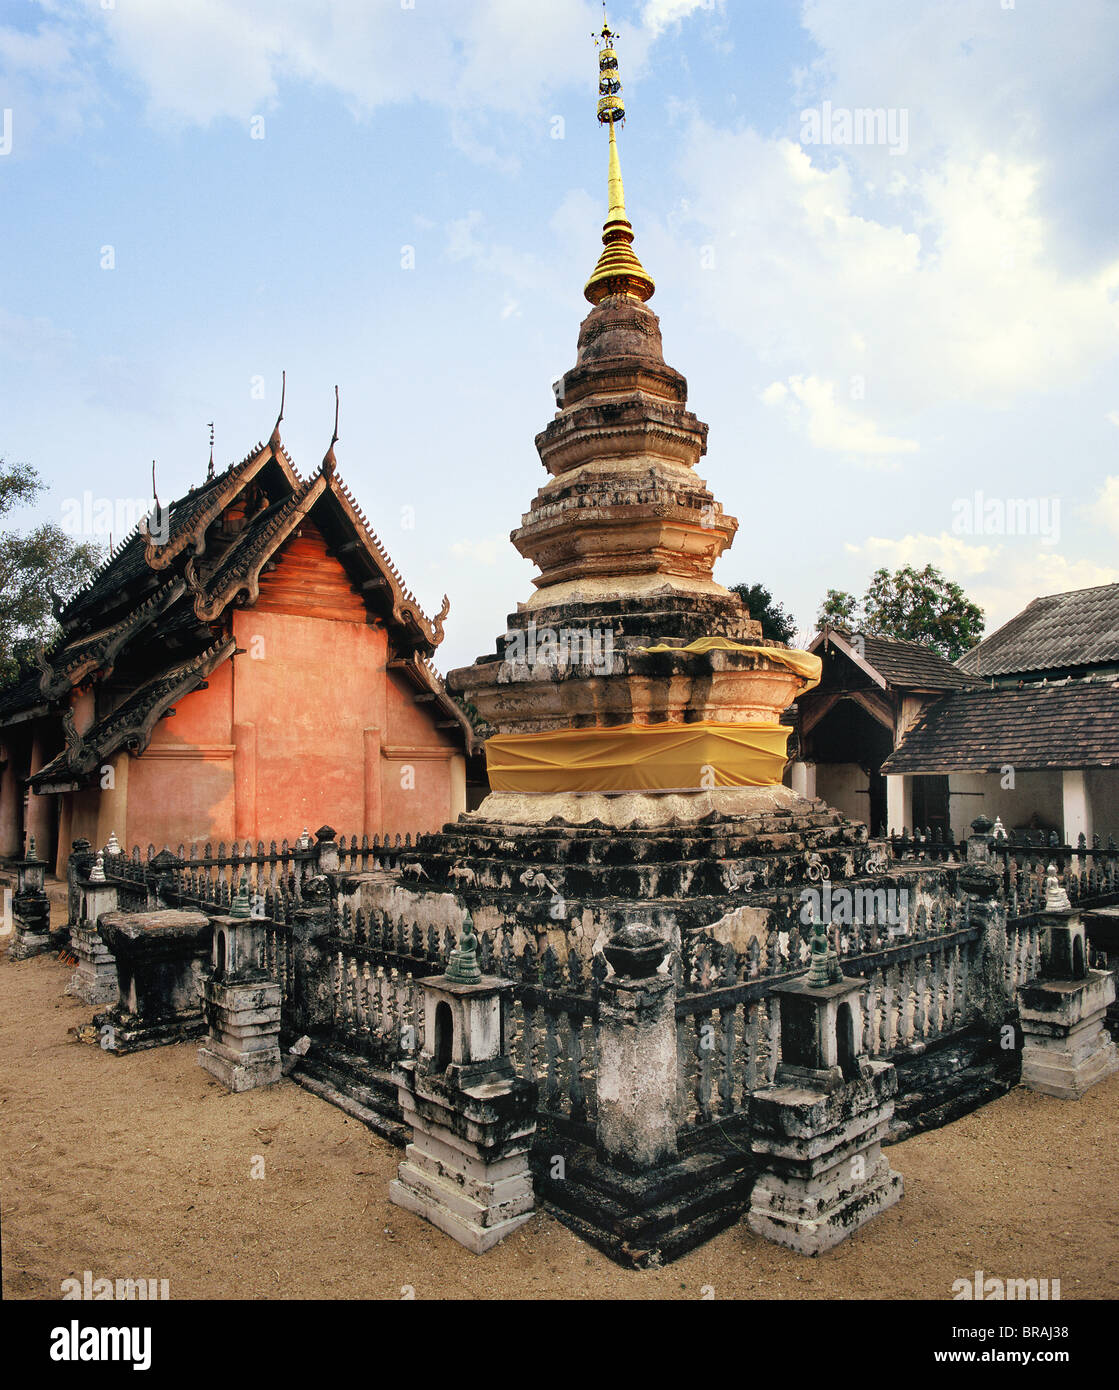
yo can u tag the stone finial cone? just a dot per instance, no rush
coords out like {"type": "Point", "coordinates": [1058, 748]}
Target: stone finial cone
{"type": "Point", "coordinates": [97, 873]}
{"type": "Point", "coordinates": [112, 845]}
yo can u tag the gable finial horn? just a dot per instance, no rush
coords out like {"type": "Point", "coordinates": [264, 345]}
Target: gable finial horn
{"type": "Point", "coordinates": [329, 462]}
{"type": "Point", "coordinates": [274, 441]}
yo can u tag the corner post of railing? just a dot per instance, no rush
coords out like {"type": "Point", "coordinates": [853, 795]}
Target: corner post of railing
{"type": "Point", "coordinates": [983, 890]}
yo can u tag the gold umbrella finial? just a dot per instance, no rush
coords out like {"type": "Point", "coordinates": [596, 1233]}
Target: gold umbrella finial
{"type": "Point", "coordinates": [619, 271]}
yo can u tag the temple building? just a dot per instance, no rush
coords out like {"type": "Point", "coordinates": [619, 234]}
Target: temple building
{"type": "Point", "coordinates": [1024, 726]}
{"type": "Point", "coordinates": [249, 665]}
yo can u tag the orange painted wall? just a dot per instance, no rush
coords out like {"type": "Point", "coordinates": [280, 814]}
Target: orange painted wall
{"type": "Point", "coordinates": [422, 796]}
{"type": "Point", "coordinates": [180, 790]}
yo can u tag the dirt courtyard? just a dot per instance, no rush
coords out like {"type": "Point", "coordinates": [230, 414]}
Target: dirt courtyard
{"type": "Point", "coordinates": [142, 1166]}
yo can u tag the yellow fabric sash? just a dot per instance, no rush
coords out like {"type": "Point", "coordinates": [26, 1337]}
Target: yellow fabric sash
{"type": "Point", "coordinates": [638, 757]}
{"type": "Point", "coordinates": [805, 664]}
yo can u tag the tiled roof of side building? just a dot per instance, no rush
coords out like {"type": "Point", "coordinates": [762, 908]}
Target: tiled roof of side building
{"type": "Point", "coordinates": [1072, 724]}
{"type": "Point", "coordinates": [1057, 632]}
{"type": "Point", "coordinates": [907, 665]}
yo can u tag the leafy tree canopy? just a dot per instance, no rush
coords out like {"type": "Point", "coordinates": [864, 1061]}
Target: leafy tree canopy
{"type": "Point", "coordinates": [31, 564]}
{"type": "Point", "coordinates": [921, 606]}
{"type": "Point", "coordinates": [777, 622]}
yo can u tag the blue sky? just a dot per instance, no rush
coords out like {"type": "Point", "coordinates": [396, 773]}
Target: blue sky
{"type": "Point", "coordinates": [874, 331]}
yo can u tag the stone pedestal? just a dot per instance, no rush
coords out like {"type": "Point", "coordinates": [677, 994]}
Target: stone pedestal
{"type": "Point", "coordinates": [31, 909]}
{"type": "Point", "coordinates": [466, 1169]}
{"type": "Point", "coordinates": [825, 1173]}
{"type": "Point", "coordinates": [241, 1004]}
{"type": "Point", "coordinates": [818, 1129]}
{"type": "Point", "coordinates": [1066, 1048]}
{"type": "Point", "coordinates": [159, 958]}
{"type": "Point", "coordinates": [94, 981]}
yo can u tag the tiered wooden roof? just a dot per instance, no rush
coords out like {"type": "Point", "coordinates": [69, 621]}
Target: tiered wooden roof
{"type": "Point", "coordinates": [157, 615]}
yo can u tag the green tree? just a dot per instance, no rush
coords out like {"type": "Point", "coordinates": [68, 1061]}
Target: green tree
{"type": "Point", "coordinates": [31, 565]}
{"type": "Point", "coordinates": [921, 606]}
{"type": "Point", "coordinates": [777, 622]}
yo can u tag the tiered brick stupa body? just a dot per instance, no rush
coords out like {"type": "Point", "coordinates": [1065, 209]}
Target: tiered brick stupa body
{"type": "Point", "coordinates": [630, 670]}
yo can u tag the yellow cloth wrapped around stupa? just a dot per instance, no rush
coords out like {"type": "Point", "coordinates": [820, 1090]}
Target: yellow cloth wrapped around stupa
{"type": "Point", "coordinates": [639, 757]}
{"type": "Point", "coordinates": [652, 757]}
{"type": "Point", "coordinates": [806, 664]}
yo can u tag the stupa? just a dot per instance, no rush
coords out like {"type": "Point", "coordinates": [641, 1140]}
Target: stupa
{"type": "Point", "coordinates": [635, 771]}
{"type": "Point", "coordinates": [630, 671]}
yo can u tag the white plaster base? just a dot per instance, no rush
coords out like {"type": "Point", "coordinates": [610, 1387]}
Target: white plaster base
{"type": "Point", "coordinates": [641, 808]}
{"type": "Point", "coordinates": [477, 1238]}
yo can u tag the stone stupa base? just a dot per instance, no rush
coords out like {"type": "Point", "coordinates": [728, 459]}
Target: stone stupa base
{"type": "Point", "coordinates": [618, 810]}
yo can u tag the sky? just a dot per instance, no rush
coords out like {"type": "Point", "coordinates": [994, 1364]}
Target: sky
{"type": "Point", "coordinates": [885, 239]}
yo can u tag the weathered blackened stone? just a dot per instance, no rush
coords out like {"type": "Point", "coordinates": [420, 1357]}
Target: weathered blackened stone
{"type": "Point", "coordinates": [825, 1173]}
{"type": "Point", "coordinates": [159, 960]}
{"type": "Point", "coordinates": [647, 1219]}
{"type": "Point", "coordinates": [31, 911]}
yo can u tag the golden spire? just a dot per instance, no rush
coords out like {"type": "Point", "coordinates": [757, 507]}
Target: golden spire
{"type": "Point", "coordinates": [618, 270]}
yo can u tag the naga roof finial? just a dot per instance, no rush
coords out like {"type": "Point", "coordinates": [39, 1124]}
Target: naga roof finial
{"type": "Point", "coordinates": [330, 463]}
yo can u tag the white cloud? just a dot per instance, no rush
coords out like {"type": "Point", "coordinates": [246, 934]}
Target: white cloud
{"type": "Point", "coordinates": [202, 60]}
{"type": "Point", "coordinates": [949, 553]}
{"type": "Point", "coordinates": [810, 405]}
{"type": "Point", "coordinates": [963, 304]}
{"type": "Point", "coordinates": [1106, 506]}
{"type": "Point", "coordinates": [659, 14]}
{"type": "Point", "coordinates": [488, 551]}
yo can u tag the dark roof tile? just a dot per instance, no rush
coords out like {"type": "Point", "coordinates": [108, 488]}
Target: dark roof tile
{"type": "Point", "coordinates": [1072, 724]}
{"type": "Point", "coordinates": [1057, 632]}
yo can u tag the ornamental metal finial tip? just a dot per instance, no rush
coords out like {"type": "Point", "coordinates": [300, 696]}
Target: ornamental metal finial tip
{"type": "Point", "coordinates": [240, 907]}
{"type": "Point", "coordinates": [463, 968]}
{"type": "Point", "coordinates": [210, 469]}
{"type": "Point", "coordinates": [330, 463]}
{"type": "Point", "coordinates": [619, 271]}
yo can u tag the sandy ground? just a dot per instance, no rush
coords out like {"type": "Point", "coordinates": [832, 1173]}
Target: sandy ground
{"type": "Point", "coordinates": [141, 1167]}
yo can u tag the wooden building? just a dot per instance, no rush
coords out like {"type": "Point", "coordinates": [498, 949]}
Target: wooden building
{"type": "Point", "coordinates": [871, 691]}
{"type": "Point", "coordinates": [250, 664]}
